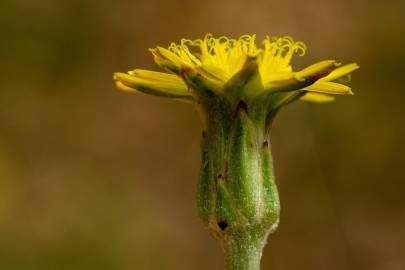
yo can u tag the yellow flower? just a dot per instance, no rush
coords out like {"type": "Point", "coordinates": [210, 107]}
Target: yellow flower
{"type": "Point", "coordinates": [238, 88]}
{"type": "Point", "coordinates": [237, 67]}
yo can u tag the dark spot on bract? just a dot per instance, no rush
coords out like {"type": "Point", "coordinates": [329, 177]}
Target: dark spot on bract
{"type": "Point", "coordinates": [241, 106]}
{"type": "Point", "coordinates": [222, 225]}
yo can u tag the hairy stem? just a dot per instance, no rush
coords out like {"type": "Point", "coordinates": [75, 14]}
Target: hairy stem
{"type": "Point", "coordinates": [243, 252]}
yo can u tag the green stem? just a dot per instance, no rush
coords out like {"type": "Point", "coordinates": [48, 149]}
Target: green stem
{"type": "Point", "coordinates": [243, 252]}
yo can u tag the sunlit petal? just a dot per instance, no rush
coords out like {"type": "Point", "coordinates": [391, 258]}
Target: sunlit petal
{"type": "Point", "coordinates": [318, 70]}
{"type": "Point", "coordinates": [165, 88]}
{"type": "Point", "coordinates": [317, 98]}
{"type": "Point", "coordinates": [340, 72]}
{"type": "Point", "coordinates": [329, 88]}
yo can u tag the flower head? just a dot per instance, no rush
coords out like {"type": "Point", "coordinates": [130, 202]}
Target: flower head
{"type": "Point", "coordinates": [223, 63]}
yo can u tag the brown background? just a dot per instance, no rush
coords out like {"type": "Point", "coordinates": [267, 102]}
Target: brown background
{"type": "Point", "coordinates": [93, 178]}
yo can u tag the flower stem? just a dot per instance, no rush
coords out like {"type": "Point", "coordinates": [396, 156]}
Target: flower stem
{"type": "Point", "coordinates": [243, 252]}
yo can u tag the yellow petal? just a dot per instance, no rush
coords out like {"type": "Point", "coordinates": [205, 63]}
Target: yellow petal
{"type": "Point", "coordinates": [340, 72]}
{"type": "Point", "coordinates": [319, 69]}
{"type": "Point", "coordinates": [329, 88]}
{"type": "Point", "coordinates": [166, 59]}
{"type": "Point", "coordinates": [216, 72]}
{"type": "Point", "coordinates": [164, 88]}
{"type": "Point", "coordinates": [157, 76]}
{"type": "Point", "coordinates": [169, 55]}
{"type": "Point", "coordinates": [278, 78]}
{"type": "Point", "coordinates": [124, 88]}
{"type": "Point", "coordinates": [317, 98]}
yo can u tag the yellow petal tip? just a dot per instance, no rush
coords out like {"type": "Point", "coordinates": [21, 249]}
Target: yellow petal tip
{"type": "Point", "coordinates": [123, 87]}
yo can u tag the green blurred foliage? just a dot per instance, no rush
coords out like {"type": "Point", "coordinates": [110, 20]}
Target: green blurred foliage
{"type": "Point", "coordinates": [92, 178]}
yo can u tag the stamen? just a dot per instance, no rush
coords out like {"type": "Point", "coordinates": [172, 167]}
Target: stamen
{"type": "Point", "coordinates": [229, 54]}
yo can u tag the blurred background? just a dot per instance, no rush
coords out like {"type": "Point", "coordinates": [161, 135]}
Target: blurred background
{"type": "Point", "coordinates": [94, 178]}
